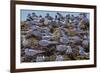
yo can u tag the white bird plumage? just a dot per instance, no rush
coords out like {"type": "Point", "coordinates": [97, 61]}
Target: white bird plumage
{"type": "Point", "coordinates": [59, 58]}
{"type": "Point", "coordinates": [69, 50]}
{"type": "Point", "coordinates": [40, 58]}
{"type": "Point", "coordinates": [25, 42]}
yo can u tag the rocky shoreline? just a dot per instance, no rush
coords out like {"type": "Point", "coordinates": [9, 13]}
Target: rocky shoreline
{"type": "Point", "coordinates": [62, 38]}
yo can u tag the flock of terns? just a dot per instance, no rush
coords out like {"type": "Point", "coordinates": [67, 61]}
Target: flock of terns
{"type": "Point", "coordinates": [54, 39]}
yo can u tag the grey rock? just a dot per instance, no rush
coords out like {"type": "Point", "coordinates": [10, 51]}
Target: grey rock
{"type": "Point", "coordinates": [32, 52]}
{"type": "Point", "coordinates": [44, 42]}
{"type": "Point", "coordinates": [61, 48]}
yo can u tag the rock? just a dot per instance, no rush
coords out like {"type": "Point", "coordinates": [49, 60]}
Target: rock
{"type": "Point", "coordinates": [44, 42]}
{"type": "Point", "coordinates": [32, 52]}
{"type": "Point", "coordinates": [76, 39]}
{"type": "Point", "coordinates": [61, 48]}
{"type": "Point", "coordinates": [36, 33]}
{"type": "Point", "coordinates": [64, 40]}
{"type": "Point", "coordinates": [46, 37]}
{"type": "Point", "coordinates": [35, 27]}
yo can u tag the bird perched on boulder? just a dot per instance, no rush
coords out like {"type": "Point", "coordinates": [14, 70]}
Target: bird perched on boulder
{"type": "Point", "coordinates": [81, 51]}
{"type": "Point", "coordinates": [69, 50]}
{"type": "Point", "coordinates": [25, 42]}
{"type": "Point", "coordinates": [59, 58]}
{"type": "Point", "coordinates": [40, 58]}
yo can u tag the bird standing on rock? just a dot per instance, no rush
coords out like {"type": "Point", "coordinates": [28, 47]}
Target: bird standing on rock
{"type": "Point", "coordinates": [25, 42]}
{"type": "Point", "coordinates": [81, 51]}
{"type": "Point", "coordinates": [59, 58]}
{"type": "Point", "coordinates": [40, 58]}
